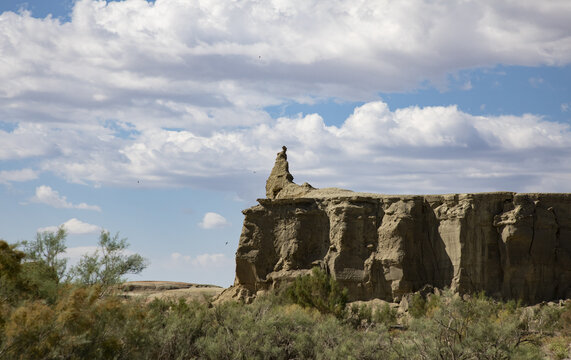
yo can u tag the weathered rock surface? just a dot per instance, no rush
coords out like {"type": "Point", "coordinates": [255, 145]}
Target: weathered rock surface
{"type": "Point", "coordinates": [508, 244]}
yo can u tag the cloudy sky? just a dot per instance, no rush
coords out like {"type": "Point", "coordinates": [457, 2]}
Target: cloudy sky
{"type": "Point", "coordinates": [161, 119]}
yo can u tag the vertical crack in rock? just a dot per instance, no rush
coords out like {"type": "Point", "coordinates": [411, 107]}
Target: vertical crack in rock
{"type": "Point", "coordinates": [557, 232]}
{"type": "Point", "coordinates": [534, 220]}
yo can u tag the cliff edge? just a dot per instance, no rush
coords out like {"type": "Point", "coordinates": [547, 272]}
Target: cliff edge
{"type": "Point", "coordinates": [510, 245]}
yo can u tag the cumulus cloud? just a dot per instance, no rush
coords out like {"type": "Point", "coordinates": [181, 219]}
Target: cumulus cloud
{"type": "Point", "coordinates": [74, 227]}
{"type": "Point", "coordinates": [46, 195]}
{"type": "Point", "coordinates": [185, 62]}
{"type": "Point", "coordinates": [212, 220]}
{"type": "Point", "coordinates": [413, 149]}
{"type": "Point", "coordinates": [171, 92]}
{"type": "Point", "coordinates": [9, 176]}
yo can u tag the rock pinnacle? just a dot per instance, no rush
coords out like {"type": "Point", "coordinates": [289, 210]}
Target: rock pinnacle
{"type": "Point", "coordinates": [280, 176]}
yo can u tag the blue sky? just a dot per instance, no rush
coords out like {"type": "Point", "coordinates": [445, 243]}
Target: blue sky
{"type": "Point", "coordinates": [161, 120]}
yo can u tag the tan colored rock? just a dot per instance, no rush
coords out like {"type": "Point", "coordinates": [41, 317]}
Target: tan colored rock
{"type": "Point", "coordinates": [386, 246]}
{"type": "Point", "coordinates": [234, 293]}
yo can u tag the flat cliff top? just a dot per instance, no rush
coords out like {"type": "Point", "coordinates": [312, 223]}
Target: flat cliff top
{"type": "Point", "coordinates": [341, 194]}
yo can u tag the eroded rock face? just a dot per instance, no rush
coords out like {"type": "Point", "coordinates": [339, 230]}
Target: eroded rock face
{"type": "Point", "coordinates": [384, 246]}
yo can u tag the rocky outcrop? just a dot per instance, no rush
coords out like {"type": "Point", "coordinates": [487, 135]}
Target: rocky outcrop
{"type": "Point", "coordinates": [280, 183]}
{"type": "Point", "coordinates": [507, 244]}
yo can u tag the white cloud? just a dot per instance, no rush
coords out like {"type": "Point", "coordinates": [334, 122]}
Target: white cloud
{"type": "Point", "coordinates": [185, 82]}
{"type": "Point", "coordinates": [413, 149]}
{"type": "Point", "coordinates": [201, 261]}
{"type": "Point", "coordinates": [8, 176]}
{"type": "Point", "coordinates": [564, 107]}
{"type": "Point", "coordinates": [212, 220]}
{"type": "Point", "coordinates": [27, 140]}
{"type": "Point", "coordinates": [46, 195]}
{"type": "Point", "coordinates": [183, 62]}
{"type": "Point", "coordinates": [74, 227]}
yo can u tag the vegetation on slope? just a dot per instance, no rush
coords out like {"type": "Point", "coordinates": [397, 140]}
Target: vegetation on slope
{"type": "Point", "coordinates": [307, 320]}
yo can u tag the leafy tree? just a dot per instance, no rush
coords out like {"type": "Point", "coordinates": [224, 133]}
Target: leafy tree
{"type": "Point", "coordinates": [44, 267]}
{"type": "Point", "coordinates": [109, 263]}
{"type": "Point", "coordinates": [47, 250]}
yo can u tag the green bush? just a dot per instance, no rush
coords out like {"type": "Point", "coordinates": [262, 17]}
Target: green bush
{"type": "Point", "coordinates": [82, 324]}
{"type": "Point", "coordinates": [417, 306]}
{"type": "Point", "coordinates": [12, 284]}
{"type": "Point", "coordinates": [385, 315]}
{"type": "Point", "coordinates": [559, 347]}
{"type": "Point", "coordinates": [307, 320]}
{"type": "Point", "coordinates": [174, 328]}
{"type": "Point", "coordinates": [318, 290]}
{"type": "Point", "coordinates": [477, 328]}
{"type": "Point", "coordinates": [565, 320]}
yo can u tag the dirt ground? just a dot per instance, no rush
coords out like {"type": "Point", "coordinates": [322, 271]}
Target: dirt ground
{"type": "Point", "coordinates": [149, 290]}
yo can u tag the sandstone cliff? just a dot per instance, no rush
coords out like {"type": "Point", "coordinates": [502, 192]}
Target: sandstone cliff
{"type": "Point", "coordinates": [383, 246]}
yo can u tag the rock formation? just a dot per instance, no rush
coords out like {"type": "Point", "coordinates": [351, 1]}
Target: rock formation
{"type": "Point", "coordinates": [510, 245]}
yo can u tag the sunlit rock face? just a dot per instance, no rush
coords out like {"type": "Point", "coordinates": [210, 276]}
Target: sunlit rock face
{"type": "Point", "coordinates": [512, 246]}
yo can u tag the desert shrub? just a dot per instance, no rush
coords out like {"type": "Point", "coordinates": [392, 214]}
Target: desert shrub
{"type": "Point", "coordinates": [513, 305]}
{"type": "Point", "coordinates": [337, 340]}
{"type": "Point", "coordinates": [548, 319]}
{"type": "Point", "coordinates": [558, 347]}
{"type": "Point", "coordinates": [320, 291]}
{"type": "Point", "coordinates": [417, 306]}
{"type": "Point", "coordinates": [359, 315]}
{"type": "Point", "coordinates": [565, 319]}
{"type": "Point", "coordinates": [385, 315]}
{"type": "Point", "coordinates": [29, 332]}
{"type": "Point", "coordinates": [478, 328]}
{"type": "Point", "coordinates": [12, 284]}
{"type": "Point", "coordinates": [264, 330]}
{"type": "Point", "coordinates": [80, 325]}
{"type": "Point", "coordinates": [258, 331]}
{"type": "Point", "coordinates": [42, 281]}
{"type": "Point", "coordinates": [364, 316]}
{"type": "Point", "coordinates": [174, 328]}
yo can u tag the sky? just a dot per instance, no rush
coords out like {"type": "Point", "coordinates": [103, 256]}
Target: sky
{"type": "Point", "coordinates": [161, 119]}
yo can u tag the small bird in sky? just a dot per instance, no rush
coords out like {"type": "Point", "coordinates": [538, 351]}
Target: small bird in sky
{"type": "Point", "coordinates": [226, 242]}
